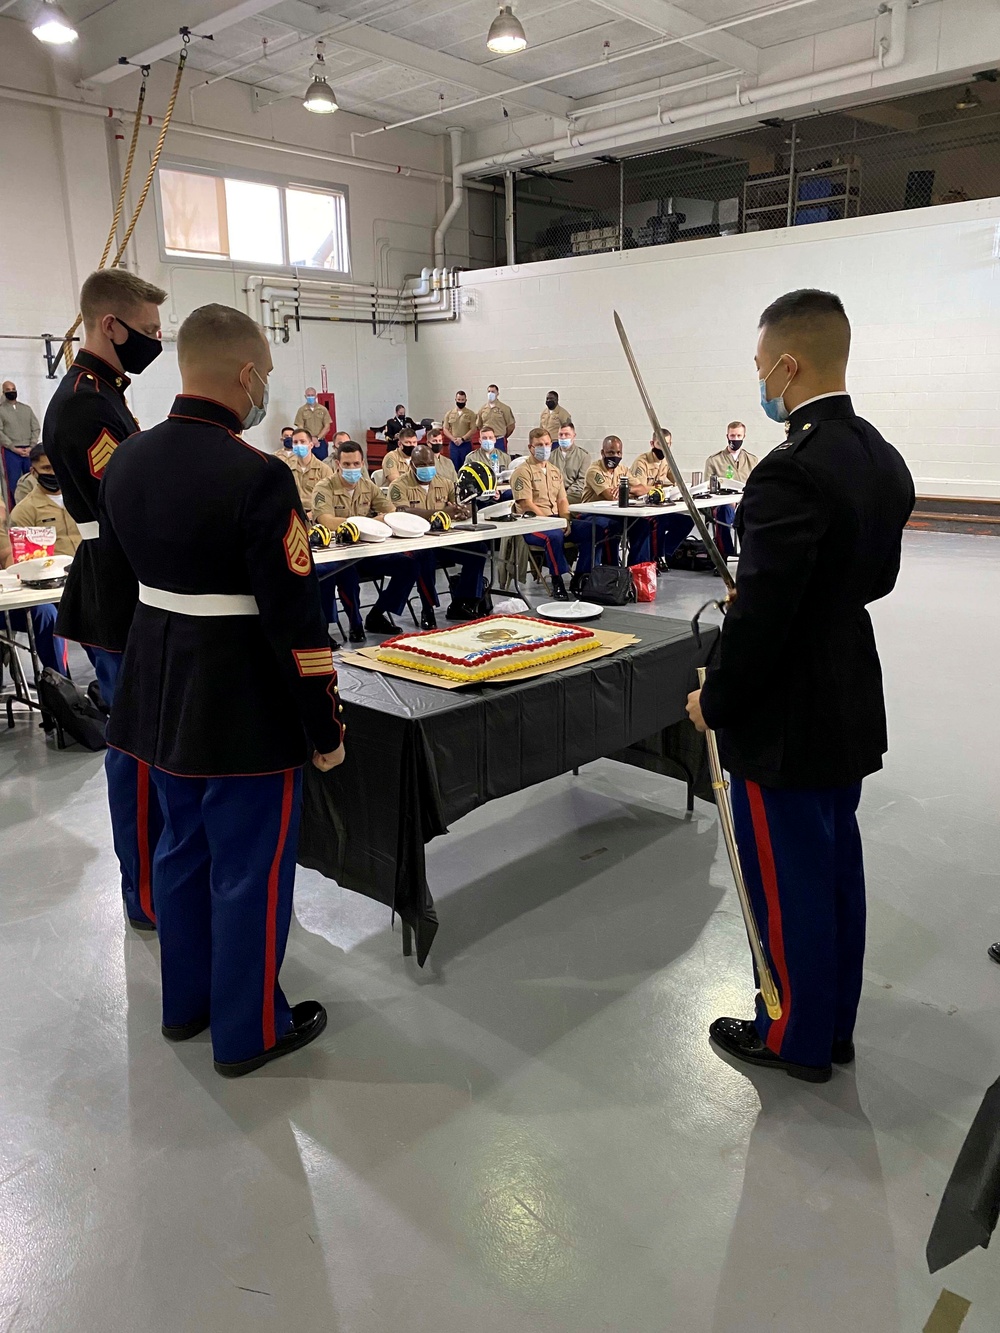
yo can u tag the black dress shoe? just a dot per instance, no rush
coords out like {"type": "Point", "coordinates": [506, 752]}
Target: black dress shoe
{"type": "Point", "coordinates": [663, 565]}
{"type": "Point", "coordinates": [843, 1052]}
{"type": "Point", "coordinates": [428, 620]}
{"type": "Point", "coordinates": [576, 584]}
{"type": "Point", "coordinates": [185, 1031]}
{"type": "Point", "coordinates": [994, 952]}
{"type": "Point", "coordinates": [356, 634]}
{"type": "Point", "coordinates": [308, 1021]}
{"type": "Point", "coordinates": [739, 1038]}
{"type": "Point", "coordinates": [462, 611]}
{"type": "Point", "coordinates": [379, 623]}
{"type": "Point", "coordinates": [559, 589]}
{"type": "Point", "coordinates": [147, 927]}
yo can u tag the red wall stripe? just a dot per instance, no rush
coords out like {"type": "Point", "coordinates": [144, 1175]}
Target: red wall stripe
{"type": "Point", "coordinates": [271, 926]}
{"type": "Point", "coordinates": [775, 934]}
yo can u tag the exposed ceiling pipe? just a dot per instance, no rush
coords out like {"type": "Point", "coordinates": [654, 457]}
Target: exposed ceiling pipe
{"type": "Point", "coordinates": [891, 53]}
{"type": "Point", "coordinates": [457, 196]}
{"type": "Point", "coordinates": [650, 93]}
{"type": "Point", "coordinates": [225, 136]}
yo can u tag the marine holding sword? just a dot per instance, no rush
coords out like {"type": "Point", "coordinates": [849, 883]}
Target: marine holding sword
{"type": "Point", "coordinates": [795, 692]}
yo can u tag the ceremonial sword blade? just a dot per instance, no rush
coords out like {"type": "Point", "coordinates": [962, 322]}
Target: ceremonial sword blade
{"type": "Point", "coordinates": [717, 558]}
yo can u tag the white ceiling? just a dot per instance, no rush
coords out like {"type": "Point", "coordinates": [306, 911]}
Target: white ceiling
{"type": "Point", "coordinates": [392, 59]}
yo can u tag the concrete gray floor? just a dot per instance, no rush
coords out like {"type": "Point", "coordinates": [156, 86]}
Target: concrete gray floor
{"type": "Point", "coordinates": [533, 1135]}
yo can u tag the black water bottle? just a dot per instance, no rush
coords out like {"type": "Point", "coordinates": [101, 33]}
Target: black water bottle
{"type": "Point", "coordinates": [623, 493]}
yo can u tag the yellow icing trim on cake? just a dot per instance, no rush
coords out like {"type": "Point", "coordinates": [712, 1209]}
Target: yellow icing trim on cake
{"type": "Point", "coordinates": [486, 673]}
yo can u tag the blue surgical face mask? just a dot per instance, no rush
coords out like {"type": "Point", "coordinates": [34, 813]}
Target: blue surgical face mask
{"type": "Point", "coordinates": [300, 450]}
{"type": "Point", "coordinates": [310, 398]}
{"type": "Point", "coordinates": [775, 407]}
{"type": "Point", "coordinates": [488, 446]}
{"type": "Point", "coordinates": [256, 414]}
{"type": "Point", "coordinates": [352, 475]}
{"type": "Point", "coordinates": [565, 442]}
{"type": "Point", "coordinates": [541, 452]}
{"type": "Point", "coordinates": [425, 475]}
{"type": "Point", "coordinates": [492, 396]}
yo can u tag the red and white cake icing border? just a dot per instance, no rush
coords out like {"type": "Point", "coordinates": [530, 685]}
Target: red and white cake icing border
{"type": "Point", "coordinates": [577, 633]}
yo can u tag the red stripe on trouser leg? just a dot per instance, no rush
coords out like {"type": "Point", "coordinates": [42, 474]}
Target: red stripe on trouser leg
{"type": "Point", "coordinates": [553, 562]}
{"type": "Point", "coordinates": [271, 924]}
{"type": "Point", "coordinates": [775, 935]}
{"type": "Point", "coordinates": [142, 839]}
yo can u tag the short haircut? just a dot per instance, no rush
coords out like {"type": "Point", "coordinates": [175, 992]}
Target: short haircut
{"type": "Point", "coordinates": [341, 435]}
{"type": "Point", "coordinates": [568, 425]}
{"type": "Point", "coordinates": [554, 393]}
{"type": "Point", "coordinates": [817, 317]}
{"type": "Point", "coordinates": [349, 446]}
{"type": "Point", "coordinates": [462, 392]}
{"type": "Point", "coordinates": [400, 405]}
{"type": "Point", "coordinates": [407, 433]}
{"type": "Point", "coordinates": [494, 386]}
{"type": "Point", "coordinates": [219, 333]}
{"type": "Point", "coordinates": [733, 424]}
{"type": "Point", "coordinates": [491, 430]}
{"type": "Point", "coordinates": [291, 428]}
{"type": "Point", "coordinates": [615, 439]}
{"type": "Point", "coordinates": [536, 433]}
{"type": "Point", "coordinates": [37, 452]}
{"type": "Point", "coordinates": [115, 291]}
{"type": "Point", "coordinates": [301, 430]}
{"type": "Point", "coordinates": [434, 430]}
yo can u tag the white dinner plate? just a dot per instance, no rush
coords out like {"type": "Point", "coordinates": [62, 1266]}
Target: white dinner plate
{"type": "Point", "coordinates": [569, 610]}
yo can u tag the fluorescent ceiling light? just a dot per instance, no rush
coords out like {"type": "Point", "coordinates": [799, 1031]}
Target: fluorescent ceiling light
{"type": "Point", "coordinates": [506, 34]}
{"type": "Point", "coordinates": [52, 26]}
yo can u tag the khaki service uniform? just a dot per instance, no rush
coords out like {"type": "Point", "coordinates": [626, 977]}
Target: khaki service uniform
{"type": "Point", "coordinates": [552, 418]}
{"type": "Point", "coordinates": [394, 466]}
{"type": "Point", "coordinates": [459, 422]}
{"type": "Point", "coordinates": [446, 469]}
{"type": "Point", "coordinates": [468, 586]}
{"type": "Point", "coordinates": [499, 416]}
{"type": "Point", "coordinates": [334, 501]}
{"type": "Point", "coordinates": [655, 538]}
{"type": "Point", "coordinates": [542, 484]}
{"type": "Point", "coordinates": [573, 464]}
{"type": "Point", "coordinates": [649, 470]}
{"type": "Point", "coordinates": [316, 419]}
{"type": "Point", "coordinates": [39, 509]}
{"type": "Point", "coordinates": [315, 473]}
{"type": "Point", "coordinates": [600, 484]}
{"type": "Point", "coordinates": [407, 493]}
{"type": "Point", "coordinates": [725, 464]}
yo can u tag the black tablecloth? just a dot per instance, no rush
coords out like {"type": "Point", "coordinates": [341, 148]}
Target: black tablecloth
{"type": "Point", "coordinates": [419, 757]}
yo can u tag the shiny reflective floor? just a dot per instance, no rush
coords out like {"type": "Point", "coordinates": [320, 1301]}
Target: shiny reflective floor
{"type": "Point", "coordinates": [532, 1135]}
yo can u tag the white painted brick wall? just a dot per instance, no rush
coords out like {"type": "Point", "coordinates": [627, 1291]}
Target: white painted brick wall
{"type": "Point", "coordinates": [921, 289]}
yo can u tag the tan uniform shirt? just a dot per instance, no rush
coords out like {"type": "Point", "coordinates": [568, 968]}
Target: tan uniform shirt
{"type": "Point", "coordinates": [24, 487]}
{"type": "Point", "coordinates": [459, 422]}
{"type": "Point", "coordinates": [552, 418]}
{"type": "Point", "coordinates": [395, 465]}
{"type": "Point", "coordinates": [446, 469]}
{"type": "Point", "coordinates": [307, 478]}
{"type": "Point", "coordinates": [741, 464]}
{"type": "Point", "coordinates": [18, 425]}
{"type": "Point", "coordinates": [573, 464]}
{"type": "Point", "coordinates": [499, 416]}
{"type": "Point", "coordinates": [38, 509]}
{"type": "Point", "coordinates": [541, 484]}
{"type": "Point", "coordinates": [409, 493]}
{"type": "Point", "coordinates": [601, 484]}
{"type": "Point", "coordinates": [334, 500]}
{"type": "Point", "coordinates": [316, 420]}
{"type": "Point", "coordinates": [500, 464]}
{"type": "Point", "coordinates": [648, 470]}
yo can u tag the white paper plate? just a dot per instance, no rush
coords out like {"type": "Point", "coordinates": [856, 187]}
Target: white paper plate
{"type": "Point", "coordinates": [372, 530]}
{"type": "Point", "coordinates": [407, 525]}
{"type": "Point", "coordinates": [569, 610]}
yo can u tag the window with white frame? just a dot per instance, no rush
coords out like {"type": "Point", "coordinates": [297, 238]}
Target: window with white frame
{"type": "Point", "coordinates": [247, 220]}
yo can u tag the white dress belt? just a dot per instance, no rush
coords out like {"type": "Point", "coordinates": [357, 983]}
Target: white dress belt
{"type": "Point", "coordinates": [200, 604]}
{"type": "Point", "coordinates": [89, 531]}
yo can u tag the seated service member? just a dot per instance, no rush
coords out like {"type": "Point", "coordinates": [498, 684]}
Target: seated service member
{"type": "Point", "coordinates": [459, 427]}
{"type": "Point", "coordinates": [44, 506]}
{"type": "Point", "coordinates": [351, 494]}
{"type": "Point", "coordinates": [732, 463]}
{"type": "Point", "coordinates": [228, 671]}
{"type": "Point", "coordinates": [601, 483]}
{"type": "Point", "coordinates": [339, 438]}
{"type": "Point", "coordinates": [572, 460]}
{"type": "Point", "coordinates": [445, 467]}
{"type": "Point", "coordinates": [397, 461]}
{"type": "Point", "coordinates": [399, 422]}
{"type": "Point", "coordinates": [553, 416]}
{"type": "Point", "coordinates": [308, 471]}
{"type": "Point", "coordinates": [538, 489]}
{"type": "Point", "coordinates": [52, 651]}
{"type": "Point", "coordinates": [422, 491]}
{"type": "Point", "coordinates": [286, 437]}
{"type": "Point", "coordinates": [663, 535]}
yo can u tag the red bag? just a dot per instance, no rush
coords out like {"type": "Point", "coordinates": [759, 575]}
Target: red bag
{"type": "Point", "coordinates": [29, 543]}
{"type": "Point", "coordinates": [644, 578]}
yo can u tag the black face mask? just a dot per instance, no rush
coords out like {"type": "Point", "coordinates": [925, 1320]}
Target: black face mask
{"type": "Point", "coordinates": [459, 402]}
{"type": "Point", "coordinates": [286, 442]}
{"type": "Point", "coordinates": [138, 350]}
{"type": "Point", "coordinates": [551, 402]}
{"type": "Point", "coordinates": [657, 451]}
{"type": "Point", "coordinates": [407, 449]}
{"type": "Point", "coordinates": [48, 481]}
{"type": "Point", "coordinates": [10, 395]}
{"type": "Point", "coordinates": [611, 461]}
{"type": "Point", "coordinates": [437, 445]}
{"type": "Point", "coordinates": [735, 445]}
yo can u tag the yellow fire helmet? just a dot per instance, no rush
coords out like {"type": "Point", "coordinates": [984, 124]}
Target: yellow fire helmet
{"type": "Point", "coordinates": [348, 533]}
{"type": "Point", "coordinates": [441, 521]}
{"type": "Point", "coordinates": [320, 537]}
{"type": "Point", "coordinates": [475, 477]}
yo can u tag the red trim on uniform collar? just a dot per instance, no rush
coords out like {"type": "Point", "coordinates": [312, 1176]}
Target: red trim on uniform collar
{"type": "Point", "coordinates": [193, 407]}
{"type": "Point", "coordinates": [85, 360]}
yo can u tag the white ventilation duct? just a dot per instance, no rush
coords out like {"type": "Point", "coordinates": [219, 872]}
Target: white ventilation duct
{"type": "Point", "coordinates": [458, 175]}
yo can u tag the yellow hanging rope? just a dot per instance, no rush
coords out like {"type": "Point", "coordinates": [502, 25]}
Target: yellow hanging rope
{"type": "Point", "coordinates": [68, 346]}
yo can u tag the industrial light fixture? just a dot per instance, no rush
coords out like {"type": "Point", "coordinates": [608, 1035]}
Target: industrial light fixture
{"type": "Point", "coordinates": [968, 101]}
{"type": "Point", "coordinates": [52, 26]}
{"type": "Point", "coordinates": [319, 95]}
{"type": "Point", "coordinates": [506, 34]}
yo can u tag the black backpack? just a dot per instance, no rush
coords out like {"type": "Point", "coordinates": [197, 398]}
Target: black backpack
{"type": "Point", "coordinates": [610, 585]}
{"type": "Point", "coordinates": [73, 712]}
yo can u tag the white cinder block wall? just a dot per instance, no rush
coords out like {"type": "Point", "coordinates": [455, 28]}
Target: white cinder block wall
{"type": "Point", "coordinates": [921, 289]}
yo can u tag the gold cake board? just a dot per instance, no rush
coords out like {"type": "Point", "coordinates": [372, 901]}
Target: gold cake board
{"type": "Point", "coordinates": [607, 642]}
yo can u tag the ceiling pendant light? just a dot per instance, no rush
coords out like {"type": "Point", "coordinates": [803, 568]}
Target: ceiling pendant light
{"type": "Point", "coordinates": [506, 34]}
{"type": "Point", "coordinates": [319, 95]}
{"type": "Point", "coordinates": [52, 26]}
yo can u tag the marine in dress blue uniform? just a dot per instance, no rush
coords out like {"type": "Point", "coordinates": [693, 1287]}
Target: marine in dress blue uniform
{"type": "Point", "coordinates": [796, 694]}
{"type": "Point", "coordinates": [85, 423]}
{"type": "Point", "coordinates": [227, 688]}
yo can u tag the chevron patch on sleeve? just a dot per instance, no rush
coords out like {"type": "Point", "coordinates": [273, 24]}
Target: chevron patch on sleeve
{"type": "Point", "coordinates": [99, 453]}
{"type": "Point", "coordinates": [297, 547]}
{"type": "Point", "coordinates": [314, 661]}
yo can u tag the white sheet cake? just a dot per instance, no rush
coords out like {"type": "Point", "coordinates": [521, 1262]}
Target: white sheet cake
{"type": "Point", "coordinates": [482, 649]}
